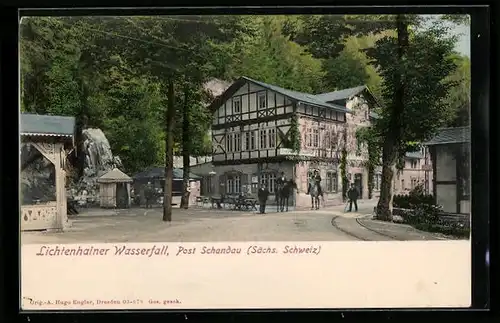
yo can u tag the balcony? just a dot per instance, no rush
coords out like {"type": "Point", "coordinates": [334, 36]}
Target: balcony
{"type": "Point", "coordinates": [321, 153]}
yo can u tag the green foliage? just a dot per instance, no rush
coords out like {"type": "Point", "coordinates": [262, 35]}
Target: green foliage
{"type": "Point", "coordinates": [425, 70]}
{"type": "Point", "coordinates": [459, 95]}
{"type": "Point", "coordinates": [113, 72]}
{"type": "Point", "coordinates": [344, 71]}
{"type": "Point", "coordinates": [408, 201]}
{"type": "Point", "coordinates": [295, 138]}
{"type": "Point", "coordinates": [373, 141]}
{"type": "Point", "coordinates": [270, 57]}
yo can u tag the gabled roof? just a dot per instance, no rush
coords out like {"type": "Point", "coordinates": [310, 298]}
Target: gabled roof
{"type": "Point", "coordinates": [341, 94]}
{"type": "Point", "coordinates": [46, 125]}
{"type": "Point", "coordinates": [114, 176]}
{"type": "Point", "coordinates": [298, 96]}
{"type": "Point", "coordinates": [159, 173]}
{"type": "Point", "coordinates": [455, 135]}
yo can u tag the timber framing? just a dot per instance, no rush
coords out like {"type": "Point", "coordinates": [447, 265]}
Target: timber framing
{"type": "Point", "coordinates": [257, 128]}
{"type": "Point", "coordinates": [270, 117]}
{"type": "Point", "coordinates": [291, 95]}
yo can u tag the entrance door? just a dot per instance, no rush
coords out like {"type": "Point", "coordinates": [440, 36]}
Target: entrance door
{"type": "Point", "coordinates": [358, 183]}
{"type": "Point", "coordinates": [121, 196]}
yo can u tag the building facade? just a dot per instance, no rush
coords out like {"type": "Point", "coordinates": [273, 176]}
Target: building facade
{"type": "Point", "coordinates": [255, 126]}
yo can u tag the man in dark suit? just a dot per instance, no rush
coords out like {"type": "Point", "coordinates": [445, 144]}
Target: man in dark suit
{"type": "Point", "coordinates": [353, 196]}
{"type": "Point", "coordinates": [263, 194]}
{"type": "Point", "coordinates": [282, 179]}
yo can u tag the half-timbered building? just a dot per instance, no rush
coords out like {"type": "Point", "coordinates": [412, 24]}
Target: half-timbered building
{"type": "Point", "coordinates": [252, 137]}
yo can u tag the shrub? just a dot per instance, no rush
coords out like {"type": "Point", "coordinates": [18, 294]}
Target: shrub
{"type": "Point", "coordinates": [422, 213]}
{"type": "Point", "coordinates": [416, 197]}
{"type": "Point", "coordinates": [456, 229]}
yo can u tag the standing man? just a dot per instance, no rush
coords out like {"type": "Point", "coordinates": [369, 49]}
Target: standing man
{"type": "Point", "coordinates": [282, 179]}
{"type": "Point", "coordinates": [353, 195]}
{"type": "Point", "coordinates": [263, 194]}
{"type": "Point", "coordinates": [148, 194]}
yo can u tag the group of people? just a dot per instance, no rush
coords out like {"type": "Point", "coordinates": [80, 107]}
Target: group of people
{"type": "Point", "coordinates": [315, 179]}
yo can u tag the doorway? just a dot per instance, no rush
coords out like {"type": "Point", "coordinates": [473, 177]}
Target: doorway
{"type": "Point", "coordinates": [121, 195]}
{"type": "Point", "coordinates": [358, 183]}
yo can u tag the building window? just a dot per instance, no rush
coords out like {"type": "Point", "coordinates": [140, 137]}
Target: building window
{"type": "Point", "coordinates": [237, 104]}
{"type": "Point", "coordinates": [252, 140]}
{"type": "Point", "coordinates": [332, 184]}
{"type": "Point", "coordinates": [263, 139]}
{"type": "Point", "coordinates": [269, 180]}
{"type": "Point", "coordinates": [309, 137]}
{"type": "Point", "coordinates": [377, 182]}
{"type": "Point", "coordinates": [413, 182]}
{"type": "Point", "coordinates": [262, 100]}
{"type": "Point", "coordinates": [229, 142]}
{"type": "Point", "coordinates": [402, 184]}
{"type": "Point", "coordinates": [237, 141]}
{"type": "Point", "coordinates": [414, 163]}
{"type": "Point", "coordinates": [272, 138]}
{"type": "Point", "coordinates": [316, 138]}
{"type": "Point", "coordinates": [246, 141]}
{"type": "Point", "coordinates": [233, 185]}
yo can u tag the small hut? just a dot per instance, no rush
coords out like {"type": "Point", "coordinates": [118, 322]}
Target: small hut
{"type": "Point", "coordinates": [47, 140]}
{"type": "Point", "coordinates": [114, 189]}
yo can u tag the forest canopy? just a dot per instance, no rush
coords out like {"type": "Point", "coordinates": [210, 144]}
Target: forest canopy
{"type": "Point", "coordinates": [108, 72]}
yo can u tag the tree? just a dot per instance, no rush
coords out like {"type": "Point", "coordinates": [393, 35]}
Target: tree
{"type": "Point", "coordinates": [269, 56]}
{"type": "Point", "coordinates": [344, 71]}
{"type": "Point", "coordinates": [178, 54]}
{"type": "Point", "coordinates": [459, 95]}
{"type": "Point", "coordinates": [414, 67]}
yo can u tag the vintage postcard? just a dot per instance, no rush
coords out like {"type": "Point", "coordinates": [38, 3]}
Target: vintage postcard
{"type": "Point", "coordinates": [245, 162]}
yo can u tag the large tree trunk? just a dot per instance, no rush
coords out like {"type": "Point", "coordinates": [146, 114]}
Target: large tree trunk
{"type": "Point", "coordinates": [186, 151]}
{"type": "Point", "coordinates": [389, 158]}
{"type": "Point", "coordinates": [169, 152]}
{"type": "Point", "coordinates": [391, 147]}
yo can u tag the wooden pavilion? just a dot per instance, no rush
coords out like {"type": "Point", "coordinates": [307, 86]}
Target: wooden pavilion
{"type": "Point", "coordinates": [114, 189]}
{"type": "Point", "coordinates": [53, 138]}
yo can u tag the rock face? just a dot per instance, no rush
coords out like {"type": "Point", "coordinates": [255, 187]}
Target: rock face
{"type": "Point", "coordinates": [37, 178]}
{"type": "Point", "coordinates": [99, 160]}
